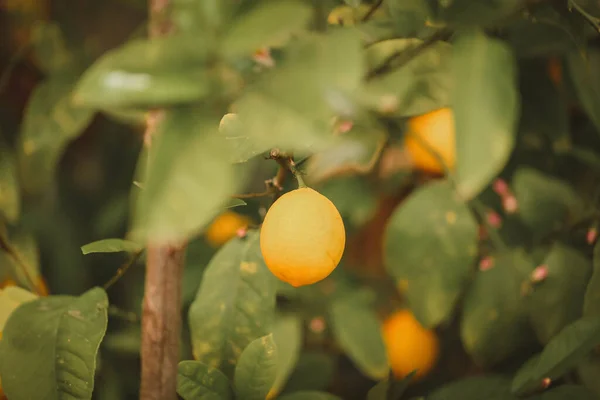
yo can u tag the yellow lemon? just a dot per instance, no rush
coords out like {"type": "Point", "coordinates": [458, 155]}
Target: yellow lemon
{"type": "Point", "coordinates": [436, 130]}
{"type": "Point", "coordinates": [409, 345]}
{"type": "Point", "coordinates": [225, 227]}
{"type": "Point", "coordinates": [302, 237]}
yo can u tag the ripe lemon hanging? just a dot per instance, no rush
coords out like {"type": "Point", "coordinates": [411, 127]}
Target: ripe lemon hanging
{"type": "Point", "coordinates": [409, 345]}
{"type": "Point", "coordinates": [225, 227]}
{"type": "Point", "coordinates": [302, 238]}
{"type": "Point", "coordinates": [437, 130]}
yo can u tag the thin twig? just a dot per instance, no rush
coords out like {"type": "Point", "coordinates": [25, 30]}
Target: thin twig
{"type": "Point", "coordinates": [372, 10]}
{"type": "Point", "coordinates": [123, 269]}
{"type": "Point", "coordinates": [252, 195]}
{"type": "Point", "coordinates": [402, 57]}
{"type": "Point", "coordinates": [16, 257]}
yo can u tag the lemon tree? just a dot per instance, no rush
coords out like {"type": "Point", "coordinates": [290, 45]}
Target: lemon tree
{"type": "Point", "coordinates": [299, 199]}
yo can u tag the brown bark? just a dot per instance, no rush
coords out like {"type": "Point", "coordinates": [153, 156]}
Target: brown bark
{"type": "Point", "coordinates": [161, 322]}
{"type": "Point", "coordinates": [161, 310]}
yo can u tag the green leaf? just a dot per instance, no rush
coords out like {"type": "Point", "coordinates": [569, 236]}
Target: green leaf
{"type": "Point", "coordinates": [25, 245]}
{"type": "Point", "coordinates": [53, 341]}
{"type": "Point", "coordinates": [197, 381]}
{"type": "Point", "coordinates": [356, 152]}
{"type": "Point", "coordinates": [256, 369]}
{"type": "Point", "coordinates": [50, 48]}
{"type": "Point", "coordinates": [234, 305]}
{"type": "Point", "coordinates": [111, 246]}
{"type": "Point", "coordinates": [468, 13]}
{"type": "Point", "coordinates": [488, 387]}
{"type": "Point", "coordinates": [421, 85]}
{"type": "Point", "coordinates": [591, 303]}
{"type": "Point", "coordinates": [566, 392]}
{"type": "Point", "coordinates": [291, 106]}
{"type": "Point", "coordinates": [146, 73]}
{"type": "Point", "coordinates": [310, 395]}
{"type": "Point", "coordinates": [50, 122]}
{"type": "Point", "coordinates": [314, 371]}
{"type": "Point", "coordinates": [287, 332]}
{"type": "Point", "coordinates": [235, 203]}
{"type": "Point", "coordinates": [588, 372]}
{"type": "Point", "coordinates": [544, 202]}
{"type": "Point", "coordinates": [561, 354]}
{"type": "Point", "coordinates": [265, 25]}
{"type": "Point", "coordinates": [187, 176]}
{"type": "Point", "coordinates": [358, 332]}
{"type": "Point", "coordinates": [485, 80]}
{"type": "Point", "coordinates": [11, 298]}
{"type": "Point", "coordinates": [390, 389]}
{"type": "Point", "coordinates": [204, 18]}
{"type": "Point", "coordinates": [558, 300]}
{"type": "Point", "coordinates": [441, 234]}
{"type": "Point", "coordinates": [494, 319]}
{"type": "Point", "coordinates": [585, 74]}
{"type": "Point", "coordinates": [10, 201]}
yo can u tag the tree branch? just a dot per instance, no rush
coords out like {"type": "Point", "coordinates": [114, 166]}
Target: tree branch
{"type": "Point", "coordinates": [372, 10]}
{"type": "Point", "coordinates": [161, 309]}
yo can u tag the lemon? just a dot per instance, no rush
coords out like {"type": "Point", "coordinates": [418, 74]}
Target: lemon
{"type": "Point", "coordinates": [409, 346]}
{"type": "Point", "coordinates": [302, 237]}
{"type": "Point", "coordinates": [436, 129]}
{"type": "Point", "coordinates": [225, 227]}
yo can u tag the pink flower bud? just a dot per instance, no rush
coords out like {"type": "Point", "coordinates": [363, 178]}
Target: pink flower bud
{"type": "Point", "coordinates": [486, 263]}
{"type": "Point", "coordinates": [539, 274]}
{"type": "Point", "coordinates": [591, 236]}
{"type": "Point", "coordinates": [345, 126]}
{"type": "Point", "coordinates": [494, 219]}
{"type": "Point", "coordinates": [501, 187]}
{"type": "Point", "coordinates": [546, 383]}
{"type": "Point", "coordinates": [242, 232]}
{"type": "Point", "coordinates": [510, 204]}
{"type": "Point", "coordinates": [317, 325]}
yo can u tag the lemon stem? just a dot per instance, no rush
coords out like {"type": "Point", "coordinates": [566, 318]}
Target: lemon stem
{"type": "Point", "coordinates": [297, 174]}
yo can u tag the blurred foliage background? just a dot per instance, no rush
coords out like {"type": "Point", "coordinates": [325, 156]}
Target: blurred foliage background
{"type": "Point", "coordinates": [553, 171]}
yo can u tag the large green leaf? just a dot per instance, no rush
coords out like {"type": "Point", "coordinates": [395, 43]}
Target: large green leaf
{"type": "Point", "coordinates": [591, 304]}
{"type": "Point", "coordinates": [558, 299]}
{"type": "Point", "coordinates": [268, 24]}
{"type": "Point", "coordinates": [358, 332]}
{"type": "Point", "coordinates": [585, 74]}
{"type": "Point", "coordinates": [566, 392]}
{"type": "Point", "coordinates": [256, 369]}
{"type": "Point", "coordinates": [11, 298]}
{"type": "Point", "coordinates": [287, 332]}
{"type": "Point", "coordinates": [431, 243]}
{"type": "Point", "coordinates": [10, 201]}
{"type": "Point", "coordinates": [314, 371]}
{"type": "Point", "coordinates": [53, 342]}
{"type": "Point", "coordinates": [111, 246]}
{"type": "Point", "coordinates": [154, 72]}
{"type": "Point", "coordinates": [197, 381]}
{"type": "Point", "coordinates": [486, 109]}
{"type": "Point", "coordinates": [234, 305]}
{"type": "Point", "coordinates": [561, 354]}
{"type": "Point", "coordinates": [544, 202]}
{"type": "Point", "coordinates": [291, 106]}
{"type": "Point", "coordinates": [462, 13]}
{"type": "Point", "coordinates": [495, 320]}
{"type": "Point", "coordinates": [50, 48]}
{"type": "Point", "coordinates": [187, 177]}
{"type": "Point", "coordinates": [488, 387]}
{"type": "Point", "coordinates": [421, 85]}
{"type": "Point", "coordinates": [50, 122]}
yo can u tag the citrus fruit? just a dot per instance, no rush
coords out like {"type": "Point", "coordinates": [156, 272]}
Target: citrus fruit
{"type": "Point", "coordinates": [225, 227]}
{"type": "Point", "coordinates": [302, 237]}
{"type": "Point", "coordinates": [436, 130]}
{"type": "Point", "coordinates": [409, 346]}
